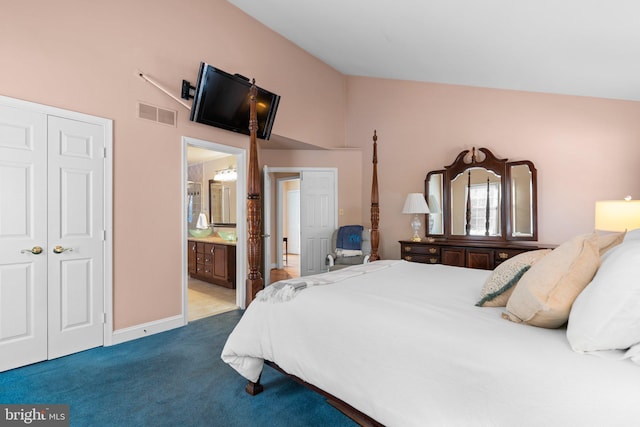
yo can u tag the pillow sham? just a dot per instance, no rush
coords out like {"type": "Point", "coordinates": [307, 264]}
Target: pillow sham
{"type": "Point", "coordinates": [500, 284]}
{"type": "Point", "coordinates": [606, 315]}
{"type": "Point", "coordinates": [545, 294]}
{"type": "Point", "coordinates": [608, 241]}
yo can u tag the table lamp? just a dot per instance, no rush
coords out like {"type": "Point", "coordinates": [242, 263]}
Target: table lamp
{"type": "Point", "coordinates": [415, 204]}
{"type": "Point", "coordinates": [617, 215]}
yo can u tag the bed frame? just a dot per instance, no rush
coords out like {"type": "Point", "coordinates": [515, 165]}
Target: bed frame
{"type": "Point", "coordinates": [255, 283]}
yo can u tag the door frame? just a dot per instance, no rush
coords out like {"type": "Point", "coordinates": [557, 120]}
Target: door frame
{"type": "Point", "coordinates": [241, 218]}
{"type": "Point", "coordinates": [267, 171]}
{"type": "Point", "coordinates": [107, 125]}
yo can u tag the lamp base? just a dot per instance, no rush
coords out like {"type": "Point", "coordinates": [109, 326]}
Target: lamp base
{"type": "Point", "coordinates": [415, 225]}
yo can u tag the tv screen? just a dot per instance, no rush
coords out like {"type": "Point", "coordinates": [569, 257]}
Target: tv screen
{"type": "Point", "coordinates": [222, 100]}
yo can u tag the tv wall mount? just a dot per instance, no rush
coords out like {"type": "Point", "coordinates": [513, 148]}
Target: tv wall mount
{"type": "Point", "coordinates": [188, 91]}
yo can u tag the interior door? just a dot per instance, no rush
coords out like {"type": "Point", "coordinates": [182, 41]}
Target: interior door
{"type": "Point", "coordinates": [75, 236]}
{"type": "Point", "coordinates": [52, 236]}
{"type": "Point", "coordinates": [23, 237]}
{"type": "Point", "coordinates": [318, 218]}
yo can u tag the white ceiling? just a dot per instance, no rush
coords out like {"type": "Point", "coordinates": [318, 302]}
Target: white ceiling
{"type": "Point", "coordinates": [575, 47]}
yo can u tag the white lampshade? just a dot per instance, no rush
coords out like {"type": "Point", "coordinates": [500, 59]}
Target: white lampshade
{"type": "Point", "coordinates": [415, 204]}
{"type": "Point", "coordinates": [617, 215]}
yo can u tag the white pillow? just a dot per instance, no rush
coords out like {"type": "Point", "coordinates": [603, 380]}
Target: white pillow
{"type": "Point", "coordinates": [606, 314]}
{"type": "Point", "coordinates": [632, 235]}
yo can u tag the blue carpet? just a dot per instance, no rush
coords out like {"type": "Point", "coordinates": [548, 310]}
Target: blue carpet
{"type": "Point", "coordinates": [175, 378]}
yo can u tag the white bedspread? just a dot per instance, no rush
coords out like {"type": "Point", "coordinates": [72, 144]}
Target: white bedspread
{"type": "Point", "coordinates": [410, 349]}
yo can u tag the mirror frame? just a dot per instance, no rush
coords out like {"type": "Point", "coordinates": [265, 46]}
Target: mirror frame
{"type": "Point", "coordinates": [469, 159]}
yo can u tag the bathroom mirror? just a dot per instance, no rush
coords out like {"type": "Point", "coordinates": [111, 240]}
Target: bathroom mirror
{"type": "Point", "coordinates": [222, 202]}
{"type": "Point", "coordinates": [482, 197]}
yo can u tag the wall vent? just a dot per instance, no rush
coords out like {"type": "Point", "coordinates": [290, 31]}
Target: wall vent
{"type": "Point", "coordinates": [157, 114]}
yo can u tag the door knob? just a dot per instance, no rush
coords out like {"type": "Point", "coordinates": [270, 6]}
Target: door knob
{"type": "Point", "coordinates": [59, 249]}
{"type": "Point", "coordinates": [35, 250]}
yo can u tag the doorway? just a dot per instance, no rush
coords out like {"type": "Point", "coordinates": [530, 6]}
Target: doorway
{"type": "Point", "coordinates": [318, 217]}
{"type": "Point", "coordinates": [204, 200]}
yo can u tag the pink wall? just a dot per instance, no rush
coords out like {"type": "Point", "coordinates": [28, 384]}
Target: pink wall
{"type": "Point", "coordinates": [84, 56]}
{"type": "Point", "coordinates": [585, 149]}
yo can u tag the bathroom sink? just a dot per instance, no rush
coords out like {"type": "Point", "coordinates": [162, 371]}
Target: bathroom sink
{"type": "Point", "coordinates": [197, 232]}
{"type": "Point", "coordinates": [227, 235]}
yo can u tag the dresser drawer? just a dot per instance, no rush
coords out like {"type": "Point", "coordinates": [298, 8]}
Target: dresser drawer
{"type": "Point", "coordinates": [501, 255]}
{"type": "Point", "coordinates": [421, 250]}
{"type": "Point", "coordinates": [425, 259]}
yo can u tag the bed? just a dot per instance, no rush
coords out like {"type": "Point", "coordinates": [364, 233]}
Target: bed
{"type": "Point", "coordinates": [406, 344]}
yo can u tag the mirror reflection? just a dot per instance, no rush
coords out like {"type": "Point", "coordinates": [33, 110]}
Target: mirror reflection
{"type": "Point", "coordinates": [222, 199]}
{"type": "Point", "coordinates": [435, 224]}
{"type": "Point", "coordinates": [476, 196]}
{"type": "Point", "coordinates": [521, 178]}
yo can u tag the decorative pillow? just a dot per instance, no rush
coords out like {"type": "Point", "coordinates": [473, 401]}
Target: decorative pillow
{"type": "Point", "coordinates": [501, 283]}
{"type": "Point", "coordinates": [606, 315]}
{"type": "Point", "coordinates": [545, 294]}
{"type": "Point", "coordinates": [608, 241]}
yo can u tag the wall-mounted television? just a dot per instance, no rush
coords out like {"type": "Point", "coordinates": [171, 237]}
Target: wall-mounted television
{"type": "Point", "coordinates": [222, 100]}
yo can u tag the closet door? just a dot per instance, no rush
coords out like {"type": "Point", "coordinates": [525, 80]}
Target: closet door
{"type": "Point", "coordinates": [75, 235]}
{"type": "Point", "coordinates": [51, 236]}
{"type": "Point", "coordinates": [23, 237]}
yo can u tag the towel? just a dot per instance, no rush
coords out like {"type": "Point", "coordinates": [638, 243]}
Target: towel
{"type": "Point", "coordinates": [350, 237]}
{"type": "Point", "coordinates": [202, 221]}
{"type": "Point", "coordinates": [285, 290]}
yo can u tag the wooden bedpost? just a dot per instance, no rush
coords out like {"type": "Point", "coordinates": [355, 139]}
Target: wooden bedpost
{"type": "Point", "coordinates": [375, 209]}
{"type": "Point", "coordinates": [254, 205]}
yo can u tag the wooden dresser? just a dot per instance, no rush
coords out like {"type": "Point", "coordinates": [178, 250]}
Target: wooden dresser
{"type": "Point", "coordinates": [483, 255]}
{"type": "Point", "coordinates": [213, 262]}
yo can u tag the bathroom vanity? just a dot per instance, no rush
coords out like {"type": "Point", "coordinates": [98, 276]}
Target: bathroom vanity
{"type": "Point", "coordinates": [213, 260]}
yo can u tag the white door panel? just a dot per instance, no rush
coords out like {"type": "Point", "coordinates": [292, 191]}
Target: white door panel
{"type": "Point", "coordinates": [318, 195]}
{"type": "Point", "coordinates": [23, 274]}
{"type": "Point", "coordinates": [76, 229]}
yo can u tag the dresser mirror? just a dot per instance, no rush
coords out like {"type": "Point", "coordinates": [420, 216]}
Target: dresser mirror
{"type": "Point", "coordinates": [482, 197]}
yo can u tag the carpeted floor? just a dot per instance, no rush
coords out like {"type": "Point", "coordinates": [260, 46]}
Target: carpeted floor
{"type": "Point", "coordinates": [175, 378]}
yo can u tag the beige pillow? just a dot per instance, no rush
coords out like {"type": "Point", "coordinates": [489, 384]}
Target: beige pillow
{"type": "Point", "coordinates": [545, 294]}
{"type": "Point", "coordinates": [608, 241]}
{"type": "Point", "coordinates": [500, 284]}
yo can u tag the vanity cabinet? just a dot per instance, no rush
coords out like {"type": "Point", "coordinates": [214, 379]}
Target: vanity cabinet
{"type": "Point", "coordinates": [480, 255]}
{"type": "Point", "coordinates": [212, 262]}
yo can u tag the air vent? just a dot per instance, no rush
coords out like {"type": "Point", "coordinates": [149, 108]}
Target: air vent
{"type": "Point", "coordinates": [156, 114]}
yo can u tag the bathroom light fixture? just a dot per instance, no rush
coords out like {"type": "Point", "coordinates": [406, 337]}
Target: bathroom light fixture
{"type": "Point", "coordinates": [229, 174]}
{"type": "Point", "coordinates": [415, 204]}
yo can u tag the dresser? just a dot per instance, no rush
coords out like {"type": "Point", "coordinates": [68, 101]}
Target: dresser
{"type": "Point", "coordinates": [482, 255]}
{"type": "Point", "coordinates": [212, 262]}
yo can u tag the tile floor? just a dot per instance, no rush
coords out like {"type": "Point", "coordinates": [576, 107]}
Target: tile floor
{"type": "Point", "coordinates": [206, 299]}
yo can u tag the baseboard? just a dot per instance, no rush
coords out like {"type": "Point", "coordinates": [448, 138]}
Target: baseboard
{"type": "Point", "coordinates": [146, 329]}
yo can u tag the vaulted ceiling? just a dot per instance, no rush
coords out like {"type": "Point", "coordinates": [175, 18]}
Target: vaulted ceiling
{"type": "Point", "coordinates": [573, 47]}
